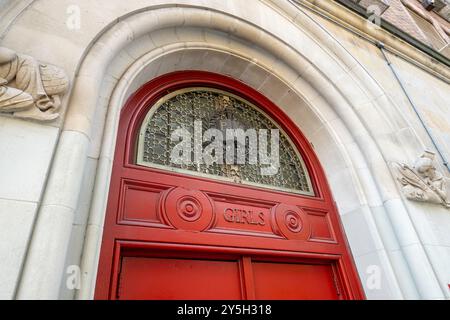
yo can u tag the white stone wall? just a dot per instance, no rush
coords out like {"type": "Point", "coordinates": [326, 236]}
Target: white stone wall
{"type": "Point", "coordinates": [431, 95]}
{"type": "Point", "coordinates": [336, 86]}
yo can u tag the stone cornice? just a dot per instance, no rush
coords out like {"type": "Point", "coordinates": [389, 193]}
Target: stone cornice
{"type": "Point", "coordinates": [357, 24]}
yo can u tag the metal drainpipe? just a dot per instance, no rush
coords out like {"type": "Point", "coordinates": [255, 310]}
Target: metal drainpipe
{"type": "Point", "coordinates": [438, 149]}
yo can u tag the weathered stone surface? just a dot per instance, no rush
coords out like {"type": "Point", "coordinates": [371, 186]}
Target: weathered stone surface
{"type": "Point", "coordinates": [30, 89]}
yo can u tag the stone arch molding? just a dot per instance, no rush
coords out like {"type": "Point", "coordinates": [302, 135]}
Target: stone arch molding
{"type": "Point", "coordinates": [129, 51]}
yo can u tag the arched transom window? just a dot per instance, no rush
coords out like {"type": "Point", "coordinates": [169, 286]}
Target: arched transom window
{"type": "Point", "coordinates": [216, 134]}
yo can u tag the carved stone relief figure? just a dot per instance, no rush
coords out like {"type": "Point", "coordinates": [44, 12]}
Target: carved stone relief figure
{"type": "Point", "coordinates": [423, 182]}
{"type": "Point", "coordinates": [29, 89]}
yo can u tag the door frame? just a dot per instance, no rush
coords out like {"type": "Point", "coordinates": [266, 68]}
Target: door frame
{"type": "Point", "coordinates": [132, 115]}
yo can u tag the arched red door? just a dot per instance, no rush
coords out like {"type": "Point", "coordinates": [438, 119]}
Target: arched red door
{"type": "Point", "coordinates": [195, 231]}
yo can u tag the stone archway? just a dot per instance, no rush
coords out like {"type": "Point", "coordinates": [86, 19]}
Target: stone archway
{"type": "Point", "coordinates": [306, 79]}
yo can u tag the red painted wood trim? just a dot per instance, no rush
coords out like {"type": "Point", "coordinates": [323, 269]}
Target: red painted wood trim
{"type": "Point", "coordinates": [248, 278]}
{"type": "Point", "coordinates": [118, 236]}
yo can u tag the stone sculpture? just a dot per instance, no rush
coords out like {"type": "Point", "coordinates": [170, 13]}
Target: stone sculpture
{"type": "Point", "coordinates": [28, 88]}
{"type": "Point", "coordinates": [423, 182]}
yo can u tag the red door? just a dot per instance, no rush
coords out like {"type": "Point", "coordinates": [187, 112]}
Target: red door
{"type": "Point", "coordinates": [224, 278]}
{"type": "Point", "coordinates": [174, 234]}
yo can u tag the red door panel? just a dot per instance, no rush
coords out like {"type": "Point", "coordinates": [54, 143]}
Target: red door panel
{"type": "Point", "coordinates": [183, 278]}
{"type": "Point", "coordinates": [227, 240]}
{"type": "Point", "coordinates": [179, 279]}
{"type": "Point", "coordinates": [290, 281]}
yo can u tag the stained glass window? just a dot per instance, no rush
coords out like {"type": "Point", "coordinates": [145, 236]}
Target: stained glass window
{"type": "Point", "coordinates": [196, 131]}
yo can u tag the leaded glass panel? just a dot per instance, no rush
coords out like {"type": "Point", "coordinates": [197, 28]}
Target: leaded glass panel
{"type": "Point", "coordinates": [196, 110]}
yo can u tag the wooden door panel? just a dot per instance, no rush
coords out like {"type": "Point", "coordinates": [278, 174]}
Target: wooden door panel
{"type": "Point", "coordinates": [290, 281]}
{"type": "Point", "coordinates": [139, 204]}
{"type": "Point", "coordinates": [179, 279]}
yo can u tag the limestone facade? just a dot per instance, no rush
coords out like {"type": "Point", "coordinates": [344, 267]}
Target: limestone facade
{"type": "Point", "coordinates": [317, 60]}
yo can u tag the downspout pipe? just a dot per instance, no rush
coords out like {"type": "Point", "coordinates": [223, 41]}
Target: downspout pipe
{"type": "Point", "coordinates": [416, 110]}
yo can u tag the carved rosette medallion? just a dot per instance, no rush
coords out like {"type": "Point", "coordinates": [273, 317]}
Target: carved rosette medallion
{"type": "Point", "coordinates": [290, 222]}
{"type": "Point", "coordinates": [293, 221]}
{"type": "Point", "coordinates": [188, 210]}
